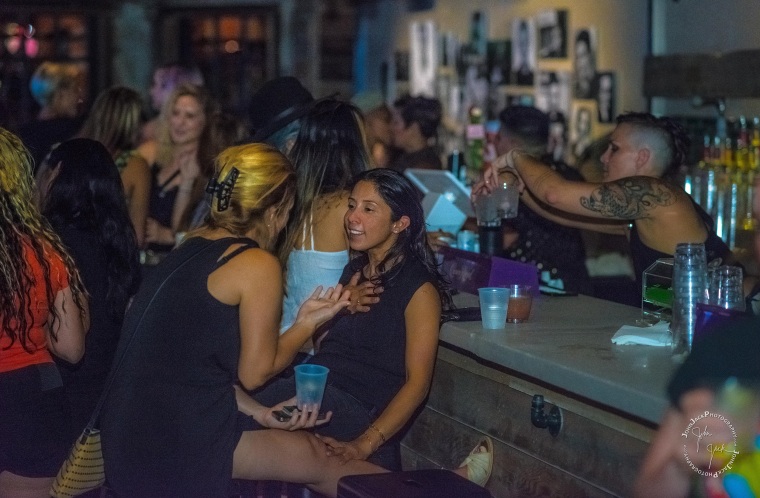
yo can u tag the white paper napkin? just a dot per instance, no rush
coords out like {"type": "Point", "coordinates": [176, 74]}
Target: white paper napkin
{"type": "Point", "coordinates": [656, 335]}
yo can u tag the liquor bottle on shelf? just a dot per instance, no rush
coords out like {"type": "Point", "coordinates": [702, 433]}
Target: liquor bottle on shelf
{"type": "Point", "coordinates": [476, 141]}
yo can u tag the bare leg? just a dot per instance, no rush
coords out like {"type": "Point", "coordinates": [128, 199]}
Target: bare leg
{"type": "Point", "coordinates": [15, 486]}
{"type": "Point", "coordinates": [297, 457]}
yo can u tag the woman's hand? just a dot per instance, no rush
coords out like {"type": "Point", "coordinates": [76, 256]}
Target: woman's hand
{"type": "Point", "coordinates": [502, 169]}
{"type": "Point", "coordinates": [352, 450]}
{"type": "Point", "coordinates": [439, 239]}
{"type": "Point", "coordinates": [361, 295]}
{"type": "Point", "coordinates": [157, 233]}
{"type": "Point", "coordinates": [189, 169]}
{"type": "Point", "coordinates": [321, 307]}
{"type": "Point", "coordinates": [298, 420]}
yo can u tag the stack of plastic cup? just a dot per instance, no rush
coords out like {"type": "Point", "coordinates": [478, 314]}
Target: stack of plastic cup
{"type": "Point", "coordinates": [689, 288]}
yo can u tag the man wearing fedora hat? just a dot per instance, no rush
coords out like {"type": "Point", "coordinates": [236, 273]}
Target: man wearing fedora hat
{"type": "Point", "coordinates": [276, 109]}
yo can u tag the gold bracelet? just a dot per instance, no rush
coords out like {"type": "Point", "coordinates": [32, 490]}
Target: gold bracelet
{"type": "Point", "coordinates": [382, 436]}
{"type": "Point", "coordinates": [371, 449]}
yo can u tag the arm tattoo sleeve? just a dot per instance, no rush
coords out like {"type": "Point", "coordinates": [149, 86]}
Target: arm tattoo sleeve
{"type": "Point", "coordinates": [629, 198]}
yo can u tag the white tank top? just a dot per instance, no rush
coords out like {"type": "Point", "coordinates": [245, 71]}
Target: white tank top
{"type": "Point", "coordinates": [307, 269]}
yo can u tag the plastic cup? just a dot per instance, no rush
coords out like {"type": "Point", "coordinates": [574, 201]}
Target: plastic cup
{"type": "Point", "coordinates": [310, 386]}
{"type": "Point", "coordinates": [520, 303]}
{"type": "Point", "coordinates": [487, 210]}
{"type": "Point", "coordinates": [507, 199]}
{"type": "Point", "coordinates": [725, 288]}
{"type": "Point", "coordinates": [493, 307]}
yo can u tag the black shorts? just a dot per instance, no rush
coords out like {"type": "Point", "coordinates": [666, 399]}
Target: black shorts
{"type": "Point", "coordinates": [33, 421]}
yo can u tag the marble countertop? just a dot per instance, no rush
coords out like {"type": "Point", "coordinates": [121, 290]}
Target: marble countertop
{"type": "Point", "coordinates": [567, 344]}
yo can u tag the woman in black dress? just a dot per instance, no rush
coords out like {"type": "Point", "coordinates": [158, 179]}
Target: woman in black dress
{"type": "Point", "coordinates": [83, 199]}
{"type": "Point", "coordinates": [205, 320]}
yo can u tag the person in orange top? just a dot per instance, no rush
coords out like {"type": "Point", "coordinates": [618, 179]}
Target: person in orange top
{"type": "Point", "coordinates": [43, 312]}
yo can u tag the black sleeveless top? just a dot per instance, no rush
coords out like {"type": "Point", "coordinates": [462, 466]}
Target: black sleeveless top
{"type": "Point", "coordinates": [161, 204]}
{"type": "Point", "coordinates": [366, 352]}
{"type": "Point", "coordinates": [643, 256]}
{"type": "Point", "coordinates": [170, 424]}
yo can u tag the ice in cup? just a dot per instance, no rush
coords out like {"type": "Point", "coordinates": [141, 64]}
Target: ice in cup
{"type": "Point", "coordinates": [493, 307]}
{"type": "Point", "coordinates": [310, 386]}
{"type": "Point", "coordinates": [520, 303]}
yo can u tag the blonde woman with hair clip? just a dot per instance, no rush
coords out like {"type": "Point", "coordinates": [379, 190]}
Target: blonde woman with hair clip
{"type": "Point", "coordinates": [186, 355]}
{"type": "Point", "coordinates": [115, 121]}
{"type": "Point", "coordinates": [180, 161]}
{"type": "Point", "coordinates": [43, 312]}
{"type": "Point", "coordinates": [175, 422]}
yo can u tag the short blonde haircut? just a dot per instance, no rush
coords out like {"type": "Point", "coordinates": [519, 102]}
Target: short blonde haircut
{"type": "Point", "coordinates": [266, 178]}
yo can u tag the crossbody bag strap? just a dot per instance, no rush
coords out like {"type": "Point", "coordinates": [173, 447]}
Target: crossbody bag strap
{"type": "Point", "coordinates": [112, 375]}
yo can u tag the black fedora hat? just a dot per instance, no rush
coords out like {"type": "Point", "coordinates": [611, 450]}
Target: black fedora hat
{"type": "Point", "coordinates": [278, 102]}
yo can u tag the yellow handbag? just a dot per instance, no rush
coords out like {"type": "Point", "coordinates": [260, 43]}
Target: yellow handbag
{"type": "Point", "coordinates": [83, 469]}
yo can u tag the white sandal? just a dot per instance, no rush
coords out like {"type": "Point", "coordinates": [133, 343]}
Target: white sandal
{"type": "Point", "coordinates": [479, 462]}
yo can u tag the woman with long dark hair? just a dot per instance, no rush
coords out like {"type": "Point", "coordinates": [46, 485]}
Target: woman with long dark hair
{"type": "Point", "coordinates": [329, 151]}
{"type": "Point", "coordinates": [82, 198]}
{"type": "Point", "coordinates": [381, 362]}
{"type": "Point", "coordinates": [43, 313]}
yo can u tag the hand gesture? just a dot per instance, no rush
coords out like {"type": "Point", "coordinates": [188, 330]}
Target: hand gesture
{"type": "Point", "coordinates": [321, 307]}
{"type": "Point", "coordinates": [439, 239]}
{"type": "Point", "coordinates": [298, 419]}
{"type": "Point", "coordinates": [501, 169]}
{"type": "Point", "coordinates": [362, 295]}
{"type": "Point", "coordinates": [344, 450]}
{"type": "Point", "coordinates": [158, 233]}
{"type": "Point", "coordinates": [189, 169]}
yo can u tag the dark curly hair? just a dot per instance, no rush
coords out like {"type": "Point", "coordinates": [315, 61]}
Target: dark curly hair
{"type": "Point", "coordinates": [87, 193]}
{"type": "Point", "coordinates": [427, 113]}
{"type": "Point", "coordinates": [403, 199]}
{"type": "Point", "coordinates": [671, 132]}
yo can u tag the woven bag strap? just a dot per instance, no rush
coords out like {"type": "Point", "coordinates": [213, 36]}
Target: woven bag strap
{"type": "Point", "coordinates": [117, 365]}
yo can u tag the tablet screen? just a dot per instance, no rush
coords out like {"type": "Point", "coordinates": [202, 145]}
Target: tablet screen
{"type": "Point", "coordinates": [444, 183]}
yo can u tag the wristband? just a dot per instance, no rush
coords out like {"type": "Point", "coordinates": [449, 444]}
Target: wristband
{"type": "Point", "coordinates": [382, 436]}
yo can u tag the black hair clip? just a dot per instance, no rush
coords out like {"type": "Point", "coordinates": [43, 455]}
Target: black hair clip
{"type": "Point", "coordinates": [222, 191]}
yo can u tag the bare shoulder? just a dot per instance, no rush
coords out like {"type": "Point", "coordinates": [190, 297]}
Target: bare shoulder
{"type": "Point", "coordinates": [633, 198]}
{"type": "Point", "coordinates": [425, 299]}
{"type": "Point", "coordinates": [247, 271]}
{"type": "Point", "coordinates": [148, 150]}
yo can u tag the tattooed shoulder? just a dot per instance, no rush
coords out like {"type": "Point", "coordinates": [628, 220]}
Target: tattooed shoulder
{"type": "Point", "coordinates": [629, 198]}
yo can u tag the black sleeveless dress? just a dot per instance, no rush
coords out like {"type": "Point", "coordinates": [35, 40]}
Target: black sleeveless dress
{"type": "Point", "coordinates": [170, 424]}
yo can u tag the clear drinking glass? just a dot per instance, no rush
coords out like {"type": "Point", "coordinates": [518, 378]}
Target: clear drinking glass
{"type": "Point", "coordinates": [726, 288]}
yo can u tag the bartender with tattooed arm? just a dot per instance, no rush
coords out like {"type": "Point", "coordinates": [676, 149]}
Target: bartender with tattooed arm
{"type": "Point", "coordinates": [634, 200]}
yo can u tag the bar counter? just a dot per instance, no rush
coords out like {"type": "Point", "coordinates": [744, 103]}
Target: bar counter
{"type": "Point", "coordinates": [567, 344]}
{"type": "Point", "coordinates": [611, 398]}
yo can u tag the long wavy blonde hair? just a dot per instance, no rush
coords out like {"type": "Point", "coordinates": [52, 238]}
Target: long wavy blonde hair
{"type": "Point", "coordinates": [22, 225]}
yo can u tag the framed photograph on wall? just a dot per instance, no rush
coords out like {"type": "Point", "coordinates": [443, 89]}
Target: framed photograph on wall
{"type": "Point", "coordinates": [552, 34]}
{"type": "Point", "coordinates": [553, 97]}
{"type": "Point", "coordinates": [584, 63]}
{"type": "Point", "coordinates": [582, 127]}
{"type": "Point", "coordinates": [605, 97]}
{"type": "Point", "coordinates": [523, 51]}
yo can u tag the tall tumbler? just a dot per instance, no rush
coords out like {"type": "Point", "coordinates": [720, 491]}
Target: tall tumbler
{"type": "Point", "coordinates": [689, 288]}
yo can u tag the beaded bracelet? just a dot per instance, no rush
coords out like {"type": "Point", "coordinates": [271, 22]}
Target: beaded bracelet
{"type": "Point", "coordinates": [382, 436]}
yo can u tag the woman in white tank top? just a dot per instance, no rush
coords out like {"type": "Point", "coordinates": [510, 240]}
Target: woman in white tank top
{"type": "Point", "coordinates": [329, 151]}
